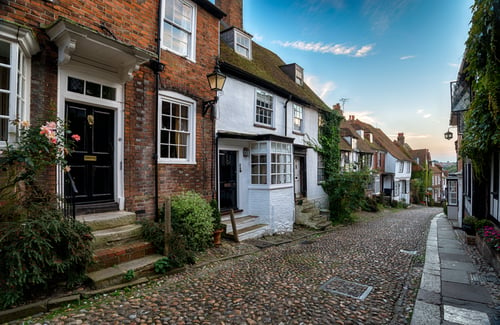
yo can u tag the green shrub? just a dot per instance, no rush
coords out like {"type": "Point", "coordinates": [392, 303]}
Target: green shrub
{"type": "Point", "coordinates": [370, 205]}
{"type": "Point", "coordinates": [154, 232]}
{"type": "Point", "coordinates": [40, 253]}
{"type": "Point", "coordinates": [192, 218]}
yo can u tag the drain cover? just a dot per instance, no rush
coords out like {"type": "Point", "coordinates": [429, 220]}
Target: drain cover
{"type": "Point", "coordinates": [347, 288]}
{"type": "Point", "coordinates": [260, 243]}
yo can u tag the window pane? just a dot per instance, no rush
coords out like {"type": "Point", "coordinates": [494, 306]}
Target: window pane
{"type": "Point", "coordinates": [4, 53]}
{"type": "Point", "coordinates": [108, 93]}
{"type": "Point", "coordinates": [4, 126]}
{"type": "Point", "coordinates": [93, 89]}
{"type": "Point", "coordinates": [75, 85]}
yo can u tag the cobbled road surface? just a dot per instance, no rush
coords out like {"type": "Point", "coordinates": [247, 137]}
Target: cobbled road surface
{"type": "Point", "coordinates": [282, 284]}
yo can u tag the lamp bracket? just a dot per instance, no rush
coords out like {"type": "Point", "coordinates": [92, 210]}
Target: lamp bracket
{"type": "Point", "coordinates": [209, 104]}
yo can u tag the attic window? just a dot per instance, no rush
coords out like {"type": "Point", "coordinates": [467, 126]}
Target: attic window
{"type": "Point", "coordinates": [299, 75]}
{"type": "Point", "coordinates": [242, 45]}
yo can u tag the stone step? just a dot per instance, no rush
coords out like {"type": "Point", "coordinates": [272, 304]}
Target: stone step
{"type": "Point", "coordinates": [115, 274]}
{"type": "Point", "coordinates": [116, 236]}
{"type": "Point", "coordinates": [254, 231]}
{"type": "Point", "coordinates": [241, 222]}
{"type": "Point", "coordinates": [99, 221]}
{"type": "Point", "coordinates": [107, 257]}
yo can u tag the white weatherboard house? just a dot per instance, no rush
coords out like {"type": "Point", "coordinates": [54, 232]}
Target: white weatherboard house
{"type": "Point", "coordinates": [264, 119]}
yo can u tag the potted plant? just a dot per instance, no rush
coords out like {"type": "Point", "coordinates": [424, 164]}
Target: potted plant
{"type": "Point", "coordinates": [219, 227]}
{"type": "Point", "coordinates": [469, 225]}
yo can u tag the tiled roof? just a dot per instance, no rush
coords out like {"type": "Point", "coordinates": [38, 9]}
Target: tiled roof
{"type": "Point", "coordinates": [264, 70]}
{"type": "Point", "coordinates": [381, 139]}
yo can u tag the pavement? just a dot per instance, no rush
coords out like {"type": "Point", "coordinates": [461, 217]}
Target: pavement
{"type": "Point", "coordinates": [452, 289]}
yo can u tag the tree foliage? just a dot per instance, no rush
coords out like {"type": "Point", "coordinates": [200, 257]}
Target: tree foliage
{"type": "Point", "coordinates": [482, 57]}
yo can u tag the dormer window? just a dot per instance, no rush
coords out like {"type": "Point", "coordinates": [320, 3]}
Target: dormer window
{"type": "Point", "coordinates": [242, 45]}
{"type": "Point", "coordinates": [239, 41]}
{"type": "Point", "coordinates": [295, 72]}
{"type": "Point", "coordinates": [299, 75]}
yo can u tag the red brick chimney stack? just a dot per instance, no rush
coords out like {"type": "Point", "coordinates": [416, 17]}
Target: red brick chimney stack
{"type": "Point", "coordinates": [401, 138]}
{"type": "Point", "coordinates": [233, 10]}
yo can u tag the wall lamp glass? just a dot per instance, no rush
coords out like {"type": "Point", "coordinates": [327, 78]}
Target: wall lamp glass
{"type": "Point", "coordinates": [216, 80]}
{"type": "Point", "coordinates": [448, 135]}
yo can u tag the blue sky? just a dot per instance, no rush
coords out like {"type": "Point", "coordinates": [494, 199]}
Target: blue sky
{"type": "Point", "coordinates": [392, 60]}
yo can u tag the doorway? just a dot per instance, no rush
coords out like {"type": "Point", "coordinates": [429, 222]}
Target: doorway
{"type": "Point", "coordinates": [228, 180]}
{"type": "Point", "coordinates": [92, 161]}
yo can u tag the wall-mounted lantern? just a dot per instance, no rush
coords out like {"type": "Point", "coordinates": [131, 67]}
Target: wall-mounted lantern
{"type": "Point", "coordinates": [216, 80]}
{"type": "Point", "coordinates": [448, 135]}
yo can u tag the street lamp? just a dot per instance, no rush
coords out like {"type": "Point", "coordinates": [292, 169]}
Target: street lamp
{"type": "Point", "coordinates": [448, 135]}
{"type": "Point", "coordinates": [216, 80]}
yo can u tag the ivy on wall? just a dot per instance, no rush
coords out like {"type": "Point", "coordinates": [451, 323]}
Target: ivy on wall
{"type": "Point", "coordinates": [482, 56]}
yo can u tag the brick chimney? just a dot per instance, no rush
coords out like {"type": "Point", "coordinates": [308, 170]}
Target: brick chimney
{"type": "Point", "coordinates": [401, 138]}
{"type": "Point", "coordinates": [337, 108]}
{"type": "Point", "coordinates": [234, 12]}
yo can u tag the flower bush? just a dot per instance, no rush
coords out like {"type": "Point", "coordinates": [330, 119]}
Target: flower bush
{"type": "Point", "coordinates": [491, 236]}
{"type": "Point", "coordinates": [23, 164]}
{"type": "Point", "coordinates": [39, 248]}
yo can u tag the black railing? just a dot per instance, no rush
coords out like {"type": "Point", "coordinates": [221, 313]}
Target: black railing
{"type": "Point", "coordinates": [70, 192]}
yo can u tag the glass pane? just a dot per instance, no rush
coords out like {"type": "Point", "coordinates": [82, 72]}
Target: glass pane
{"type": "Point", "coordinates": [184, 111]}
{"type": "Point", "coordinates": [4, 78]}
{"type": "Point", "coordinates": [165, 122]}
{"type": "Point", "coordinates": [182, 152]}
{"type": "Point", "coordinates": [4, 104]}
{"type": "Point", "coordinates": [163, 137]}
{"type": "Point", "coordinates": [4, 126]}
{"type": "Point", "coordinates": [93, 89]}
{"type": "Point", "coordinates": [75, 85]}
{"type": "Point", "coordinates": [184, 125]}
{"type": "Point", "coordinates": [4, 53]}
{"type": "Point", "coordinates": [108, 93]}
{"type": "Point", "coordinates": [164, 151]}
{"type": "Point", "coordinates": [165, 108]}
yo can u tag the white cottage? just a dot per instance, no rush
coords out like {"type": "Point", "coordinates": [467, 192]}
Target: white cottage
{"type": "Point", "coordinates": [265, 118]}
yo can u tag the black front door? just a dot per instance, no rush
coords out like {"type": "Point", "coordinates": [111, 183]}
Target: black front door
{"type": "Point", "coordinates": [228, 174]}
{"type": "Point", "coordinates": [92, 160]}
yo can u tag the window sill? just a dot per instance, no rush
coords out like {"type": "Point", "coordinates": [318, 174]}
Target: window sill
{"type": "Point", "coordinates": [264, 126]}
{"type": "Point", "coordinates": [298, 132]}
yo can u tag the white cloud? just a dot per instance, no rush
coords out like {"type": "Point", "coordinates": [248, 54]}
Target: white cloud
{"type": "Point", "coordinates": [364, 116]}
{"type": "Point", "coordinates": [335, 49]}
{"type": "Point", "coordinates": [407, 57]}
{"type": "Point", "coordinates": [258, 38]}
{"type": "Point", "coordinates": [427, 115]}
{"type": "Point", "coordinates": [422, 113]}
{"type": "Point", "coordinates": [453, 65]}
{"type": "Point", "coordinates": [383, 13]}
{"type": "Point", "coordinates": [321, 89]}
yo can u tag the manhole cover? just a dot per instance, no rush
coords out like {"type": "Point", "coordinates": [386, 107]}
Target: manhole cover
{"type": "Point", "coordinates": [307, 242]}
{"type": "Point", "coordinates": [346, 288]}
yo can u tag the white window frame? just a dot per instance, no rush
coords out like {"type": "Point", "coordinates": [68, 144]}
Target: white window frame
{"type": "Point", "coordinates": [299, 75]}
{"type": "Point", "coordinates": [276, 167]}
{"type": "Point", "coordinates": [259, 108]}
{"type": "Point", "coordinates": [21, 46]}
{"type": "Point", "coordinates": [298, 115]}
{"type": "Point", "coordinates": [189, 30]}
{"type": "Point", "coordinates": [172, 97]}
{"type": "Point", "coordinates": [244, 50]}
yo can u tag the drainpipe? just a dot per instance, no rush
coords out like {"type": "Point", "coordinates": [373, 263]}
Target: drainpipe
{"type": "Point", "coordinates": [157, 67]}
{"type": "Point", "coordinates": [286, 114]}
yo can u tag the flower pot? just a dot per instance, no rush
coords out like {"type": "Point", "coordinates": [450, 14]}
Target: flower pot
{"type": "Point", "coordinates": [469, 229]}
{"type": "Point", "coordinates": [218, 237]}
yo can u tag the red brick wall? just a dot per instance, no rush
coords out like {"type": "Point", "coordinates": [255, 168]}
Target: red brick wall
{"type": "Point", "coordinates": [134, 23]}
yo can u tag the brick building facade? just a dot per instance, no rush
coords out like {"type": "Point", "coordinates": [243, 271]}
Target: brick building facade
{"type": "Point", "coordinates": [90, 63]}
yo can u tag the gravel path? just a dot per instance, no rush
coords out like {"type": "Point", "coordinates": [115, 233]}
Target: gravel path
{"type": "Point", "coordinates": [281, 284]}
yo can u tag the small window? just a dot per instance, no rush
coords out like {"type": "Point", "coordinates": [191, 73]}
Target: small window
{"type": "Point", "coordinates": [176, 130]}
{"type": "Point", "coordinates": [259, 163]}
{"type": "Point", "coordinates": [13, 89]}
{"type": "Point", "coordinates": [274, 163]}
{"type": "Point", "coordinates": [92, 89]}
{"type": "Point", "coordinates": [242, 45]}
{"type": "Point", "coordinates": [264, 108]}
{"type": "Point", "coordinates": [178, 27]}
{"type": "Point", "coordinates": [321, 170]}
{"type": "Point", "coordinates": [452, 192]}
{"type": "Point", "coordinates": [298, 118]}
{"type": "Point", "coordinates": [299, 75]}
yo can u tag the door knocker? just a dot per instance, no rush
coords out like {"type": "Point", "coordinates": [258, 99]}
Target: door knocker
{"type": "Point", "coordinates": [90, 119]}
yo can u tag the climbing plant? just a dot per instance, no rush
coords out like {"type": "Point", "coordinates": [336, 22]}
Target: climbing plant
{"type": "Point", "coordinates": [482, 57]}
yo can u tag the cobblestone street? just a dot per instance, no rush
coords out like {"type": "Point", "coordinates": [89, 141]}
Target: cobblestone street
{"type": "Point", "coordinates": [281, 284]}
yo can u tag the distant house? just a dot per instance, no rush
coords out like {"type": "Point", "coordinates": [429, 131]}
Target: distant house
{"type": "Point", "coordinates": [390, 160]}
{"type": "Point", "coordinates": [265, 119]}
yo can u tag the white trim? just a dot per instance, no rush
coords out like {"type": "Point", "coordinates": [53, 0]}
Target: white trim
{"type": "Point", "coordinates": [192, 50]}
{"type": "Point", "coordinates": [171, 96]}
{"type": "Point", "coordinates": [91, 74]}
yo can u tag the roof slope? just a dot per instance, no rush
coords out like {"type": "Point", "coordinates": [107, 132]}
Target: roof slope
{"type": "Point", "coordinates": [380, 138]}
{"type": "Point", "coordinates": [264, 70]}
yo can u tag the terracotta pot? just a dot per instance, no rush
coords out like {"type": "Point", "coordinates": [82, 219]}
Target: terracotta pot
{"type": "Point", "coordinates": [218, 237]}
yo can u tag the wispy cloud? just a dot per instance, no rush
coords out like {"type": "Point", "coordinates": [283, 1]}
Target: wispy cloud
{"type": "Point", "coordinates": [258, 37]}
{"type": "Point", "coordinates": [382, 13]}
{"type": "Point", "coordinates": [322, 89]}
{"type": "Point", "coordinates": [320, 5]}
{"type": "Point", "coordinates": [407, 57]}
{"type": "Point", "coordinates": [453, 65]}
{"type": "Point", "coordinates": [422, 113]}
{"type": "Point", "coordinates": [364, 116]}
{"type": "Point", "coordinates": [335, 49]}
